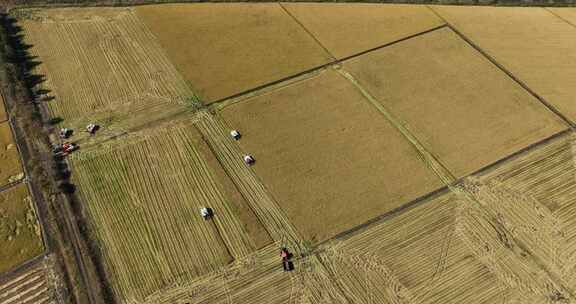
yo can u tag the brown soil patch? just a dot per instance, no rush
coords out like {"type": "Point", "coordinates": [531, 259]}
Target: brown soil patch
{"type": "Point", "coordinates": [536, 46]}
{"type": "Point", "coordinates": [10, 166]}
{"type": "Point", "coordinates": [329, 158]}
{"type": "Point", "coordinates": [346, 29]}
{"type": "Point", "coordinates": [464, 109]}
{"type": "Point", "coordinates": [224, 49]}
{"type": "Point", "coordinates": [20, 234]}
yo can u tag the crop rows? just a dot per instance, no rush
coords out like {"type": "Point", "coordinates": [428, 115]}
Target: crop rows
{"type": "Point", "coordinates": [506, 234]}
{"type": "Point", "coordinates": [107, 68]}
{"type": "Point", "coordinates": [144, 199]}
{"type": "Point", "coordinates": [315, 282]}
{"type": "Point", "coordinates": [32, 286]}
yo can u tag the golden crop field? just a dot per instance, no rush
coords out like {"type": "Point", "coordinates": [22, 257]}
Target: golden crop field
{"type": "Point", "coordinates": [226, 49]}
{"type": "Point", "coordinates": [20, 234]}
{"type": "Point", "coordinates": [144, 199]}
{"type": "Point", "coordinates": [10, 167]}
{"type": "Point", "coordinates": [464, 110]}
{"type": "Point", "coordinates": [346, 29]}
{"type": "Point", "coordinates": [316, 158]}
{"type": "Point", "coordinates": [30, 286]}
{"type": "Point", "coordinates": [3, 114]}
{"type": "Point", "coordinates": [532, 43]}
{"type": "Point", "coordinates": [414, 171]}
{"type": "Point", "coordinates": [104, 66]}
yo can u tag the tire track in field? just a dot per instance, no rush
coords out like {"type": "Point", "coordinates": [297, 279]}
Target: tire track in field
{"type": "Point", "coordinates": [312, 273]}
{"type": "Point", "coordinates": [152, 187]}
{"type": "Point", "coordinates": [426, 156]}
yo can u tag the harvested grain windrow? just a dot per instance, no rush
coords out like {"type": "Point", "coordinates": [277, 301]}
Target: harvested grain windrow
{"type": "Point", "coordinates": [103, 66]}
{"type": "Point", "coordinates": [533, 44]}
{"type": "Point", "coordinates": [535, 194]}
{"type": "Point", "coordinates": [31, 286]}
{"type": "Point", "coordinates": [152, 188]}
{"type": "Point", "coordinates": [346, 29]}
{"type": "Point", "coordinates": [420, 250]}
{"type": "Point", "coordinates": [264, 206]}
{"type": "Point", "coordinates": [465, 111]}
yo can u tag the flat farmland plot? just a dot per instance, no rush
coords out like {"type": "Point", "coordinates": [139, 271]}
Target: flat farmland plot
{"type": "Point", "coordinates": [102, 65]}
{"type": "Point", "coordinates": [225, 49]}
{"type": "Point", "coordinates": [20, 234]}
{"type": "Point", "coordinates": [31, 286]}
{"type": "Point", "coordinates": [449, 249]}
{"type": "Point", "coordinates": [329, 158]}
{"type": "Point", "coordinates": [10, 167]}
{"type": "Point", "coordinates": [461, 107]}
{"type": "Point", "coordinates": [144, 198]}
{"type": "Point", "coordinates": [533, 44]}
{"type": "Point", "coordinates": [346, 29]}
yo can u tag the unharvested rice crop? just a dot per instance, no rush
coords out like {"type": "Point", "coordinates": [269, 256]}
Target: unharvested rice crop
{"type": "Point", "coordinates": [316, 159]}
{"type": "Point", "coordinates": [346, 29]}
{"type": "Point", "coordinates": [464, 110]}
{"type": "Point", "coordinates": [225, 49]}
{"type": "Point", "coordinates": [102, 65]}
{"type": "Point", "coordinates": [20, 234]}
{"type": "Point", "coordinates": [10, 166]}
{"type": "Point", "coordinates": [144, 199]}
{"type": "Point", "coordinates": [532, 43]}
{"type": "Point", "coordinates": [30, 286]}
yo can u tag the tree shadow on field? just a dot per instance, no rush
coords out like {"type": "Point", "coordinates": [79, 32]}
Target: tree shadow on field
{"type": "Point", "coordinates": [23, 66]}
{"type": "Point", "coordinates": [25, 63]}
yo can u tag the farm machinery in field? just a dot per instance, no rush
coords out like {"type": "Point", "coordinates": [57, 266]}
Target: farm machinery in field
{"type": "Point", "coordinates": [286, 256]}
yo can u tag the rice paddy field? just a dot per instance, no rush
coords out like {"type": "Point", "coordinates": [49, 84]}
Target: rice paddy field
{"type": "Point", "coordinates": [403, 153]}
{"type": "Point", "coordinates": [11, 169]}
{"type": "Point", "coordinates": [443, 101]}
{"type": "Point", "coordinates": [20, 234]}
{"type": "Point", "coordinates": [105, 67]}
{"type": "Point", "coordinates": [30, 286]}
{"type": "Point", "coordinates": [235, 47]}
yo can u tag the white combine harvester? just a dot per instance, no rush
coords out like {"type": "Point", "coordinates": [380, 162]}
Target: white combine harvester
{"type": "Point", "coordinates": [206, 213]}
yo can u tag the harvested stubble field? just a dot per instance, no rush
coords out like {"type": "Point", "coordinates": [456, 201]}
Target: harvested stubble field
{"type": "Point", "coordinates": [103, 65]}
{"type": "Point", "coordinates": [30, 286]}
{"type": "Point", "coordinates": [503, 235]}
{"type": "Point", "coordinates": [10, 166]}
{"type": "Point", "coordinates": [225, 49]}
{"type": "Point", "coordinates": [465, 110]}
{"type": "Point", "coordinates": [144, 199]}
{"type": "Point", "coordinates": [316, 159]}
{"type": "Point", "coordinates": [532, 43]}
{"type": "Point", "coordinates": [351, 150]}
{"type": "Point", "coordinates": [20, 234]}
{"type": "Point", "coordinates": [345, 29]}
